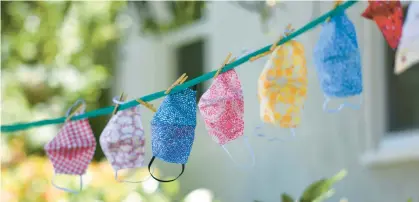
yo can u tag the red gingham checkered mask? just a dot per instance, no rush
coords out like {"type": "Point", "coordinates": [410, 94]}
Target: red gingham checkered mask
{"type": "Point", "coordinates": [72, 149]}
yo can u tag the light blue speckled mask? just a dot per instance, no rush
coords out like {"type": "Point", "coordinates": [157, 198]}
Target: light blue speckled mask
{"type": "Point", "coordinates": [338, 61]}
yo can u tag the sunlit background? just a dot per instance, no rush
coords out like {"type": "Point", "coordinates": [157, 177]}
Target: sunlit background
{"type": "Point", "coordinates": [55, 52]}
{"type": "Point", "coordinates": [52, 54]}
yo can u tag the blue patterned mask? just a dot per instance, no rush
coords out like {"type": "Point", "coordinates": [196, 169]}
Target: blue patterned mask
{"type": "Point", "coordinates": [338, 61]}
{"type": "Point", "coordinates": [173, 129]}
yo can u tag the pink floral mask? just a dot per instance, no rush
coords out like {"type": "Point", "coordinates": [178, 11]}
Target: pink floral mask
{"type": "Point", "coordinates": [123, 140]}
{"type": "Point", "coordinates": [222, 107]}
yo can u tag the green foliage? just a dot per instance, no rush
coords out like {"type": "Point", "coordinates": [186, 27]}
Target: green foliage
{"type": "Point", "coordinates": [54, 52]}
{"type": "Point", "coordinates": [320, 190]}
{"type": "Point", "coordinates": [171, 188]}
{"type": "Point", "coordinates": [286, 198]}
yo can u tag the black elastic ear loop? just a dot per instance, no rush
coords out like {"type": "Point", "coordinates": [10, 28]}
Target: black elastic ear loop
{"type": "Point", "coordinates": [149, 168]}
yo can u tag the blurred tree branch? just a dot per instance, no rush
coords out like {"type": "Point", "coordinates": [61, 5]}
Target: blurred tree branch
{"type": "Point", "coordinates": [52, 54]}
{"type": "Point", "coordinates": [181, 12]}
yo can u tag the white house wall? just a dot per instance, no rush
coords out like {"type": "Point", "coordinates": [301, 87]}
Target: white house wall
{"type": "Point", "coordinates": [324, 144]}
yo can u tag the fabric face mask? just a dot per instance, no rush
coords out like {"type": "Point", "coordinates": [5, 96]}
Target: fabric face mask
{"type": "Point", "coordinates": [173, 129]}
{"type": "Point", "coordinates": [72, 149]}
{"type": "Point", "coordinates": [338, 61]}
{"type": "Point", "coordinates": [222, 107]}
{"type": "Point", "coordinates": [407, 54]}
{"type": "Point", "coordinates": [123, 140]}
{"type": "Point", "coordinates": [388, 15]}
{"type": "Point", "coordinates": [282, 86]}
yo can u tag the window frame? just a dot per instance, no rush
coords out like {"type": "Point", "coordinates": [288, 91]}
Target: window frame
{"type": "Point", "coordinates": [200, 87]}
{"type": "Point", "coordinates": [382, 147]}
{"type": "Point", "coordinates": [190, 33]}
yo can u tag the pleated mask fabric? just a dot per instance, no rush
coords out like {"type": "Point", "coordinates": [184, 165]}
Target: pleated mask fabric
{"type": "Point", "coordinates": [123, 140]}
{"type": "Point", "coordinates": [173, 129]}
{"type": "Point", "coordinates": [407, 54]}
{"type": "Point", "coordinates": [72, 149]}
{"type": "Point", "coordinates": [338, 61]}
{"type": "Point", "coordinates": [282, 86]}
{"type": "Point", "coordinates": [388, 15]}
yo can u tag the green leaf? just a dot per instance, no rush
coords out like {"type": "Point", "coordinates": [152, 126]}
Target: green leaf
{"type": "Point", "coordinates": [312, 190]}
{"type": "Point", "coordinates": [286, 198]}
{"type": "Point", "coordinates": [324, 196]}
{"type": "Point", "coordinates": [410, 200]}
{"type": "Point", "coordinates": [320, 190]}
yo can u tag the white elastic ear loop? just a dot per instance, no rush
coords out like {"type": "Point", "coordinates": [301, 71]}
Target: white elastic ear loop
{"type": "Point", "coordinates": [341, 106]}
{"type": "Point", "coordinates": [283, 139]}
{"type": "Point", "coordinates": [249, 149]}
{"type": "Point", "coordinates": [117, 101]}
{"type": "Point", "coordinates": [65, 189]}
{"type": "Point", "coordinates": [292, 131]}
{"type": "Point", "coordinates": [259, 133]}
{"type": "Point", "coordinates": [128, 181]}
{"type": "Point", "coordinates": [74, 105]}
{"type": "Point", "coordinates": [275, 138]}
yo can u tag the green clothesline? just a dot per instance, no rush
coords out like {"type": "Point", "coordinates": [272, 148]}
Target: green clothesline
{"type": "Point", "coordinates": [200, 79]}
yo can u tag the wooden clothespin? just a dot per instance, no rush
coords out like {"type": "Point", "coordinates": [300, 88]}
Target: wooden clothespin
{"type": "Point", "coordinates": [145, 104]}
{"type": "Point", "coordinates": [226, 61]}
{"type": "Point", "coordinates": [121, 98]}
{"type": "Point", "coordinates": [180, 80]}
{"type": "Point", "coordinates": [335, 5]}
{"type": "Point", "coordinates": [288, 31]}
{"type": "Point", "coordinates": [183, 80]}
{"type": "Point", "coordinates": [74, 113]}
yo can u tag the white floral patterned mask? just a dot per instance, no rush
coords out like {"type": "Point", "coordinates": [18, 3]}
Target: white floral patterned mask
{"type": "Point", "coordinates": [407, 54]}
{"type": "Point", "coordinates": [123, 141]}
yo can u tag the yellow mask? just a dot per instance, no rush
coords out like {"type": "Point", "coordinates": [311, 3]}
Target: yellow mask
{"type": "Point", "coordinates": [282, 85]}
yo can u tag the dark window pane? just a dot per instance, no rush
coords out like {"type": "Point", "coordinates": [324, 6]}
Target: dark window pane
{"type": "Point", "coordinates": [403, 95]}
{"type": "Point", "coordinates": [190, 60]}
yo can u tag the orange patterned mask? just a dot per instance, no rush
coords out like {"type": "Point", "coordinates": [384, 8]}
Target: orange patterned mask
{"type": "Point", "coordinates": [282, 86]}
